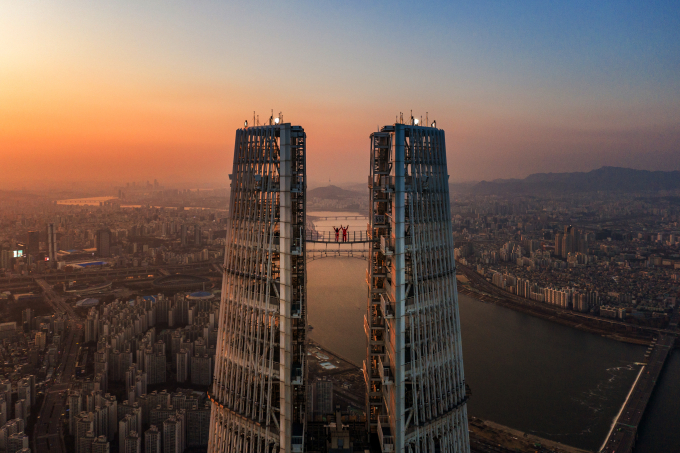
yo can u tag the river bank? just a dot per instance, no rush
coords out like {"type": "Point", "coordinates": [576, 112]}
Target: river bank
{"type": "Point", "coordinates": [512, 439]}
{"type": "Point", "coordinates": [349, 394]}
{"type": "Point", "coordinates": [486, 297]}
{"type": "Point", "coordinates": [471, 284]}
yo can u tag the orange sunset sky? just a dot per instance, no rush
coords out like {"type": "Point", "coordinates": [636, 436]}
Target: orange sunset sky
{"type": "Point", "coordinates": [115, 91]}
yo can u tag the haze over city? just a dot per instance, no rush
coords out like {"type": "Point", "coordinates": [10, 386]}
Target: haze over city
{"type": "Point", "coordinates": [339, 227]}
{"type": "Point", "coordinates": [122, 91]}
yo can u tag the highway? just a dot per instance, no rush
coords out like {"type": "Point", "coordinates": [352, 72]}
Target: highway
{"type": "Point", "coordinates": [47, 434]}
{"type": "Point", "coordinates": [109, 273]}
{"type": "Point", "coordinates": [67, 367]}
{"type": "Point", "coordinates": [57, 303]}
{"type": "Point", "coordinates": [16, 281]}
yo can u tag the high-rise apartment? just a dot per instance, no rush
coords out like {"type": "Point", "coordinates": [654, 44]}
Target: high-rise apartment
{"type": "Point", "coordinates": [6, 257]}
{"type": "Point", "coordinates": [52, 243]}
{"type": "Point", "coordinates": [17, 442]}
{"type": "Point", "coordinates": [173, 435]}
{"type": "Point", "coordinates": [33, 243]}
{"type": "Point", "coordinates": [133, 443]}
{"type": "Point", "coordinates": [126, 425]}
{"type": "Point", "coordinates": [84, 426]}
{"type": "Point", "coordinates": [198, 234]}
{"type": "Point", "coordinates": [103, 243]}
{"type": "Point", "coordinates": [155, 367]}
{"type": "Point", "coordinates": [183, 365]}
{"type": "Point", "coordinates": [75, 406]}
{"type": "Point", "coordinates": [572, 241]}
{"type": "Point", "coordinates": [183, 235]}
{"type": "Point", "coordinates": [258, 391]}
{"type": "Point", "coordinates": [3, 411]}
{"type": "Point", "coordinates": [100, 445]}
{"type": "Point", "coordinates": [152, 440]}
{"type": "Point", "coordinates": [27, 318]}
{"type": "Point", "coordinates": [416, 397]}
{"type": "Point", "coordinates": [201, 369]}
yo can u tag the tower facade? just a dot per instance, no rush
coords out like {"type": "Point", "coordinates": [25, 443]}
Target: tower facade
{"type": "Point", "coordinates": [416, 399]}
{"type": "Point", "coordinates": [51, 243]}
{"type": "Point", "coordinates": [258, 392]}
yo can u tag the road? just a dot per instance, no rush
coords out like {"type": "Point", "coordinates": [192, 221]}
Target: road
{"type": "Point", "coordinates": [479, 445]}
{"type": "Point", "coordinates": [621, 438]}
{"type": "Point", "coordinates": [47, 434]}
{"type": "Point", "coordinates": [13, 281]}
{"type": "Point", "coordinates": [56, 302]}
{"type": "Point", "coordinates": [67, 367]}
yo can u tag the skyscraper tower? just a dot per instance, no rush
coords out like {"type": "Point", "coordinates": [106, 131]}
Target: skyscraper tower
{"type": "Point", "coordinates": [259, 393]}
{"type": "Point", "coordinates": [197, 235]}
{"type": "Point", "coordinates": [51, 243]}
{"type": "Point", "coordinates": [416, 399]}
{"type": "Point", "coordinates": [183, 234]}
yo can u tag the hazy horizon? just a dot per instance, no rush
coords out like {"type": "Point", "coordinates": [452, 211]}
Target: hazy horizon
{"type": "Point", "coordinates": [130, 92]}
{"type": "Point", "coordinates": [109, 187]}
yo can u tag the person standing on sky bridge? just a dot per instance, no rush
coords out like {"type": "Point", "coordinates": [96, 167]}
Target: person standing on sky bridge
{"type": "Point", "coordinates": [337, 233]}
{"type": "Point", "coordinates": [344, 233]}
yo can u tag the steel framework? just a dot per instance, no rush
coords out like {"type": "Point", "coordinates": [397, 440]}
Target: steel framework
{"type": "Point", "coordinates": [258, 393]}
{"type": "Point", "coordinates": [416, 395]}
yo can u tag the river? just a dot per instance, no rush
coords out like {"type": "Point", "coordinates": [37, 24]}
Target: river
{"type": "Point", "coordinates": [525, 372]}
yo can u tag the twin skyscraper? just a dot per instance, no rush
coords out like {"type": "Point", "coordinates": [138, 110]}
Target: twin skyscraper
{"type": "Point", "coordinates": [416, 396]}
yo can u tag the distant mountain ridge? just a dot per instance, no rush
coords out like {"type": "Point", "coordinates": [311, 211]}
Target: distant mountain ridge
{"type": "Point", "coordinates": [607, 179]}
{"type": "Point", "coordinates": [332, 193]}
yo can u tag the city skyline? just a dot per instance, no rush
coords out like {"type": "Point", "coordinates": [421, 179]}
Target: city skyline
{"type": "Point", "coordinates": [560, 293]}
{"type": "Point", "coordinates": [520, 88]}
{"type": "Point", "coordinates": [386, 227]}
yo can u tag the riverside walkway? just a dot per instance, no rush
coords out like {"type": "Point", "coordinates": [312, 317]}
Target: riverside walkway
{"type": "Point", "coordinates": [621, 438]}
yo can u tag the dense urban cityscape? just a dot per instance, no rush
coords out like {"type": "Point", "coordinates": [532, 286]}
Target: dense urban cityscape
{"type": "Point", "coordinates": [611, 255]}
{"type": "Point", "coordinates": [463, 236]}
{"type": "Point", "coordinates": [112, 303]}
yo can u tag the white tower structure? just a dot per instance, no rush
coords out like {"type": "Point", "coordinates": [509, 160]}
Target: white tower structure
{"type": "Point", "coordinates": [258, 392]}
{"type": "Point", "coordinates": [416, 399]}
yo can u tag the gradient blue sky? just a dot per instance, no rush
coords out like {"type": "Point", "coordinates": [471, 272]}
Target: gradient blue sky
{"type": "Point", "coordinates": [122, 90]}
